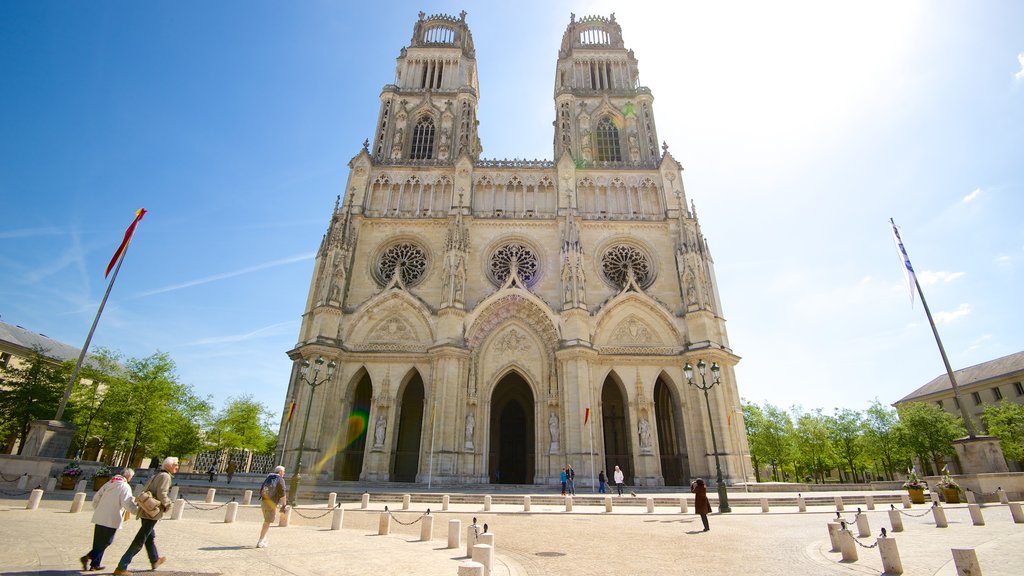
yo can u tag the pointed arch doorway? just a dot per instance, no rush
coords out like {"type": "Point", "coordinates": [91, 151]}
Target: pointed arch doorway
{"type": "Point", "coordinates": [349, 464]}
{"type": "Point", "coordinates": [617, 450]}
{"type": "Point", "coordinates": [406, 458]}
{"type": "Point", "coordinates": [675, 463]}
{"type": "Point", "coordinates": [511, 446]}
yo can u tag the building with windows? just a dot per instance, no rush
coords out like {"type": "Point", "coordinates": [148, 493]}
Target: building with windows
{"type": "Point", "coordinates": [494, 320]}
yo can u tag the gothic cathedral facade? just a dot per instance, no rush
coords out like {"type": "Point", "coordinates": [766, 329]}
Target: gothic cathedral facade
{"type": "Point", "coordinates": [491, 321]}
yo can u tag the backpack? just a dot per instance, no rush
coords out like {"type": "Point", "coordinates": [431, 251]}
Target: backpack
{"type": "Point", "coordinates": [269, 487]}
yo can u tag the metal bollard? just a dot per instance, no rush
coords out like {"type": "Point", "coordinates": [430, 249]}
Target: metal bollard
{"type": "Point", "coordinates": [77, 502]}
{"type": "Point", "coordinates": [365, 502]}
{"type": "Point", "coordinates": [895, 520]}
{"type": "Point", "coordinates": [863, 530]}
{"type": "Point", "coordinates": [427, 528]}
{"type": "Point", "coordinates": [940, 517]}
{"type": "Point", "coordinates": [526, 503]}
{"type": "Point", "coordinates": [568, 503]}
{"type": "Point", "coordinates": [332, 500]}
{"type": "Point", "coordinates": [801, 504]}
{"type": "Point", "coordinates": [1003, 499]}
{"type": "Point", "coordinates": [891, 563]}
{"type": "Point", "coordinates": [966, 561]}
{"type": "Point", "coordinates": [1017, 513]}
{"type": "Point", "coordinates": [906, 500]}
{"type": "Point", "coordinates": [487, 503]}
{"type": "Point", "coordinates": [210, 493]}
{"type": "Point", "coordinates": [684, 506]}
{"type": "Point", "coordinates": [608, 503]}
{"type": "Point", "coordinates": [484, 554]}
{"type": "Point", "coordinates": [444, 502]}
{"type": "Point", "coordinates": [247, 498]}
{"type": "Point", "coordinates": [869, 500]}
{"type": "Point", "coordinates": [764, 504]}
{"type": "Point", "coordinates": [284, 519]}
{"type": "Point", "coordinates": [231, 512]}
{"type": "Point", "coordinates": [178, 509]}
{"type": "Point", "coordinates": [839, 504]}
{"type": "Point", "coordinates": [650, 505]}
{"type": "Point", "coordinates": [337, 518]}
{"type": "Point", "coordinates": [173, 494]}
{"type": "Point", "coordinates": [976, 516]}
{"type": "Point", "coordinates": [33, 499]}
{"type": "Point", "coordinates": [51, 484]}
{"type": "Point", "coordinates": [847, 545]}
{"type": "Point", "coordinates": [471, 569]}
{"type": "Point", "coordinates": [384, 524]}
{"type": "Point", "coordinates": [406, 500]}
{"type": "Point", "coordinates": [454, 533]}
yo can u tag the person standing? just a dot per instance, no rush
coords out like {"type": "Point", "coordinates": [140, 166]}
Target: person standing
{"type": "Point", "coordinates": [618, 477]}
{"type": "Point", "coordinates": [231, 470]}
{"type": "Point", "coordinates": [701, 504]}
{"type": "Point", "coordinates": [272, 494]}
{"type": "Point", "coordinates": [212, 472]}
{"type": "Point", "coordinates": [570, 475]}
{"type": "Point", "coordinates": [109, 502]}
{"type": "Point", "coordinates": [563, 479]}
{"type": "Point", "coordinates": [158, 486]}
{"type": "Point", "coordinates": [602, 481]}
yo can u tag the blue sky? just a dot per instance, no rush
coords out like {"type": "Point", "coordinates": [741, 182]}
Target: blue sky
{"type": "Point", "coordinates": [803, 127]}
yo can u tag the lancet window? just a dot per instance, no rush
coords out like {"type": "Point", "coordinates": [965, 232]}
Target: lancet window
{"type": "Point", "coordinates": [423, 139]}
{"type": "Point", "coordinates": [608, 146]}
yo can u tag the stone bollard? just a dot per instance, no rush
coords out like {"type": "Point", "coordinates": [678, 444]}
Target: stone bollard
{"type": "Point", "coordinates": [940, 517]}
{"type": "Point", "coordinates": [23, 482]}
{"type": "Point", "coordinates": [80, 486]}
{"type": "Point", "coordinates": [684, 506]}
{"type": "Point", "coordinates": [1003, 499]}
{"type": "Point", "coordinates": [487, 538]}
{"type": "Point", "coordinates": [384, 524]}
{"type": "Point", "coordinates": [427, 528]}
{"type": "Point", "coordinates": [869, 500]}
{"type": "Point", "coordinates": [33, 499]}
{"type": "Point", "coordinates": [801, 504]}
{"type": "Point", "coordinates": [896, 520]}
{"type": "Point", "coordinates": [77, 502]}
{"type": "Point", "coordinates": [178, 509]}
{"type": "Point", "coordinates": [833, 535]}
{"type": "Point", "coordinates": [847, 546]}
{"type": "Point", "coordinates": [971, 498]}
{"type": "Point", "coordinates": [444, 502]}
{"type": "Point", "coordinates": [863, 530]}
{"type": "Point", "coordinates": [608, 504]}
{"type": "Point", "coordinates": [966, 561]}
{"type": "Point", "coordinates": [526, 503]}
{"type": "Point", "coordinates": [332, 499]}
{"type": "Point", "coordinates": [934, 496]}
{"type": "Point", "coordinates": [487, 503]}
{"type": "Point", "coordinates": [650, 505]}
{"type": "Point", "coordinates": [337, 518]}
{"type": "Point", "coordinates": [1017, 513]}
{"type": "Point", "coordinates": [210, 493]}
{"type": "Point", "coordinates": [471, 569]}
{"type": "Point", "coordinates": [173, 494]}
{"type": "Point", "coordinates": [484, 554]}
{"type": "Point", "coordinates": [406, 501]}
{"type": "Point", "coordinates": [247, 498]}
{"type": "Point", "coordinates": [906, 500]}
{"type": "Point", "coordinates": [365, 502]}
{"type": "Point", "coordinates": [764, 504]}
{"type": "Point", "coordinates": [454, 533]}
{"type": "Point", "coordinates": [891, 563]}
{"type": "Point", "coordinates": [231, 512]}
{"type": "Point", "coordinates": [471, 538]}
{"type": "Point", "coordinates": [839, 504]}
{"type": "Point", "coordinates": [284, 519]}
{"type": "Point", "coordinates": [568, 503]}
{"type": "Point", "coordinates": [976, 516]}
{"type": "Point", "coordinates": [51, 484]}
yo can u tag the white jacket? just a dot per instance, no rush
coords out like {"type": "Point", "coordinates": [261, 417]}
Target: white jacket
{"type": "Point", "coordinates": [110, 500]}
{"type": "Point", "coordinates": [618, 476]}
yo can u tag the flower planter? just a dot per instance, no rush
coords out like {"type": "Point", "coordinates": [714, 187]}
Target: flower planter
{"type": "Point", "coordinates": [951, 495]}
{"type": "Point", "coordinates": [916, 495]}
{"type": "Point", "coordinates": [99, 481]}
{"type": "Point", "coordinates": [67, 482]}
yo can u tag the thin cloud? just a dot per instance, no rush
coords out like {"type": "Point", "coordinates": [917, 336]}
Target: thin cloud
{"type": "Point", "coordinates": [226, 275]}
{"type": "Point", "coordinates": [928, 278]}
{"type": "Point", "coordinates": [978, 343]}
{"type": "Point", "coordinates": [271, 330]}
{"type": "Point", "coordinates": [947, 317]}
{"type": "Point", "coordinates": [31, 233]}
{"type": "Point", "coordinates": [970, 197]}
{"type": "Point", "coordinates": [1020, 73]}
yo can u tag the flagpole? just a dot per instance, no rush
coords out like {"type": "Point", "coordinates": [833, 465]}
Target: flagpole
{"type": "Point", "coordinates": [88, 339]}
{"type": "Point", "coordinates": [593, 479]}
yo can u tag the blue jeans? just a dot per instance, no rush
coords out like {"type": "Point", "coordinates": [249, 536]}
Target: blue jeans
{"type": "Point", "coordinates": [146, 536]}
{"type": "Point", "coordinates": [102, 536]}
{"type": "Point", "coordinates": [601, 487]}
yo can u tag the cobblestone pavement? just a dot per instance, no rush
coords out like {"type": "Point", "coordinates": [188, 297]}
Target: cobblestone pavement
{"type": "Point", "coordinates": [546, 540]}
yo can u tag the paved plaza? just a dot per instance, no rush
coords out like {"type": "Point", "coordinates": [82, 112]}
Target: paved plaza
{"type": "Point", "coordinates": [546, 540]}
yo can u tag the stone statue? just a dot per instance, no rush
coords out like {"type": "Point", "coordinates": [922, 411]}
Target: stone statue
{"type": "Point", "coordinates": [396, 147]}
{"type": "Point", "coordinates": [645, 433]}
{"type": "Point", "coordinates": [553, 428]}
{"type": "Point", "coordinates": [378, 433]}
{"type": "Point", "coordinates": [470, 426]}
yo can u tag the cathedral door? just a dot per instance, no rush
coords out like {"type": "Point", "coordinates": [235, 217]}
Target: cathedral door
{"type": "Point", "coordinates": [675, 466]}
{"type": "Point", "coordinates": [406, 458]}
{"type": "Point", "coordinates": [616, 431]}
{"type": "Point", "coordinates": [349, 463]}
{"type": "Point", "coordinates": [511, 446]}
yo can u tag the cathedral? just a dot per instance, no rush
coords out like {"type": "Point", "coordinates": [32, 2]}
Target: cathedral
{"type": "Point", "coordinates": [483, 321]}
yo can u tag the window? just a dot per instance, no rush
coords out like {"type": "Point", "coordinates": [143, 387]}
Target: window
{"type": "Point", "coordinates": [1019, 388]}
{"type": "Point", "coordinates": [977, 398]}
{"type": "Point", "coordinates": [608, 141]}
{"type": "Point", "coordinates": [423, 139]}
{"type": "Point", "coordinates": [997, 394]}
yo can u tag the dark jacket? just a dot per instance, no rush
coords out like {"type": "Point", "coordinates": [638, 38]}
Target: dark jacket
{"type": "Point", "coordinates": [701, 505]}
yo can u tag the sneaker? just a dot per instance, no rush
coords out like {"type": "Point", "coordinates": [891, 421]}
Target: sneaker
{"type": "Point", "coordinates": [159, 561]}
{"type": "Point", "coordinates": [261, 544]}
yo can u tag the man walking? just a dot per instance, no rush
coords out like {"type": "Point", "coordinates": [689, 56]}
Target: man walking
{"type": "Point", "coordinates": [158, 487]}
{"type": "Point", "coordinates": [571, 476]}
{"type": "Point", "coordinates": [272, 495]}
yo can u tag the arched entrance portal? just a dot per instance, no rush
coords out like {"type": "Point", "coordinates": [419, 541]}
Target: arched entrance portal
{"type": "Point", "coordinates": [616, 438]}
{"type": "Point", "coordinates": [349, 463]}
{"type": "Point", "coordinates": [511, 446]}
{"type": "Point", "coordinates": [405, 461]}
{"type": "Point", "coordinates": [675, 466]}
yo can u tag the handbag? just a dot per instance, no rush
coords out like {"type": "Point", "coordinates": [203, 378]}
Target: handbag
{"type": "Point", "coordinates": [148, 506]}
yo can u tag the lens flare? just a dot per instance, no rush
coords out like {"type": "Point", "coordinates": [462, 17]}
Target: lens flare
{"type": "Point", "coordinates": [356, 427]}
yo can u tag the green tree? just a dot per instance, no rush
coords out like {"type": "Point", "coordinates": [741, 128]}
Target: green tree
{"type": "Point", "coordinates": [753, 418]}
{"type": "Point", "coordinates": [1006, 420]}
{"type": "Point", "coordinates": [846, 428]}
{"type": "Point", "coordinates": [813, 444]}
{"type": "Point", "coordinates": [769, 433]}
{"type": "Point", "coordinates": [30, 393]}
{"type": "Point", "coordinates": [244, 423]}
{"type": "Point", "coordinates": [883, 438]}
{"type": "Point", "coordinates": [929, 432]}
{"type": "Point", "coordinates": [89, 395]}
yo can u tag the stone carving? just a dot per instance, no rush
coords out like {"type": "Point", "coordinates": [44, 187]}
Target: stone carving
{"type": "Point", "coordinates": [645, 434]}
{"type": "Point", "coordinates": [470, 426]}
{"type": "Point", "coordinates": [514, 255]}
{"type": "Point", "coordinates": [379, 429]}
{"type": "Point", "coordinates": [632, 330]}
{"type": "Point", "coordinates": [408, 259]}
{"type": "Point", "coordinates": [513, 342]}
{"type": "Point", "coordinates": [393, 329]}
{"type": "Point", "coordinates": [396, 147]}
{"type": "Point", "coordinates": [618, 261]}
{"type": "Point", "coordinates": [553, 429]}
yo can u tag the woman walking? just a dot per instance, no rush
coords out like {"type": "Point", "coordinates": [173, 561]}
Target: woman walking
{"type": "Point", "coordinates": [701, 505]}
{"type": "Point", "coordinates": [109, 502]}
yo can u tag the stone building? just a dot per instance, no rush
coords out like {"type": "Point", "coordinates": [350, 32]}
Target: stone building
{"type": "Point", "coordinates": [493, 320]}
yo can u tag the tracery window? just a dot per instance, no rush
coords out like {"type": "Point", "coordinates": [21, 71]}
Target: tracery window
{"type": "Point", "coordinates": [608, 149]}
{"type": "Point", "coordinates": [518, 255]}
{"type": "Point", "coordinates": [619, 260]}
{"type": "Point", "coordinates": [423, 139]}
{"type": "Point", "coordinates": [410, 260]}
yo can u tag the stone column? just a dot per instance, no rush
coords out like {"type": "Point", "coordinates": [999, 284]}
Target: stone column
{"type": "Point", "coordinates": [940, 517]}
{"type": "Point", "coordinates": [444, 502]}
{"type": "Point", "coordinates": [231, 512]}
{"type": "Point", "coordinates": [966, 561]}
{"type": "Point", "coordinates": [487, 503]}
{"type": "Point", "coordinates": [427, 528]}
{"type": "Point", "coordinates": [337, 518]}
{"type": "Point", "coordinates": [891, 563]}
{"type": "Point", "coordinates": [869, 500]}
{"type": "Point", "coordinates": [847, 546]}
{"type": "Point", "coordinates": [454, 533]}
{"type": "Point", "coordinates": [1017, 513]}
{"type": "Point", "coordinates": [684, 507]}
{"type": "Point", "coordinates": [863, 529]}
{"type": "Point", "coordinates": [484, 554]}
{"type": "Point", "coordinates": [895, 520]}
{"type": "Point", "coordinates": [210, 495]}
{"type": "Point", "coordinates": [247, 498]}
{"type": "Point", "coordinates": [526, 503]}
{"type": "Point", "coordinates": [976, 516]}
{"type": "Point", "coordinates": [365, 502]}
{"type": "Point", "coordinates": [33, 499]}
{"type": "Point", "coordinates": [384, 524]}
{"type": "Point", "coordinates": [332, 499]}
{"type": "Point", "coordinates": [76, 503]}
{"type": "Point", "coordinates": [178, 509]}
{"type": "Point", "coordinates": [471, 569]}
{"type": "Point", "coordinates": [406, 499]}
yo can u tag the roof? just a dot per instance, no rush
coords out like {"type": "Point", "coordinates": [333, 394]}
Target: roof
{"type": "Point", "coordinates": [1000, 367]}
{"type": "Point", "coordinates": [28, 340]}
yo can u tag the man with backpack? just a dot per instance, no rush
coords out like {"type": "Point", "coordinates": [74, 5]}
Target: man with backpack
{"type": "Point", "coordinates": [272, 495]}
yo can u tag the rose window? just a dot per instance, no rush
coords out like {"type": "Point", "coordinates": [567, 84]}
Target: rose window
{"type": "Point", "coordinates": [619, 260]}
{"type": "Point", "coordinates": [409, 259]}
{"type": "Point", "coordinates": [514, 255]}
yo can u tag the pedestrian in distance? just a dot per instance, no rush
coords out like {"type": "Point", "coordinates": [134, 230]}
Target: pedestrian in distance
{"type": "Point", "coordinates": [212, 472]}
{"type": "Point", "coordinates": [231, 471]}
{"type": "Point", "coordinates": [618, 477]}
{"type": "Point", "coordinates": [602, 482]}
{"type": "Point", "coordinates": [563, 479]}
{"type": "Point", "coordinates": [272, 496]}
{"type": "Point", "coordinates": [109, 502]}
{"type": "Point", "coordinates": [701, 504]}
{"type": "Point", "coordinates": [157, 487]}
{"type": "Point", "coordinates": [570, 475]}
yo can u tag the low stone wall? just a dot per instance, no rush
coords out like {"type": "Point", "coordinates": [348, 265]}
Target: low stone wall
{"type": "Point", "coordinates": [40, 469]}
{"type": "Point", "coordinates": [984, 486]}
{"type": "Point", "coordinates": [829, 487]}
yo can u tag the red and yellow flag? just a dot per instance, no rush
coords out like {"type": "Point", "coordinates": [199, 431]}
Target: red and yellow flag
{"type": "Point", "coordinates": [291, 411]}
{"type": "Point", "coordinates": [586, 416]}
{"type": "Point", "coordinates": [124, 243]}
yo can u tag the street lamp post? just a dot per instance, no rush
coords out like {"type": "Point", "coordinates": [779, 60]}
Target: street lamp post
{"type": "Point", "coordinates": [723, 496]}
{"type": "Point", "coordinates": [293, 490]}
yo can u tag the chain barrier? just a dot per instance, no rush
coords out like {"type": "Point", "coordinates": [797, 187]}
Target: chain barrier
{"type": "Point", "coordinates": [395, 518]}
{"type": "Point", "coordinates": [909, 515]}
{"type": "Point", "coordinates": [317, 516]}
{"type": "Point", "coordinates": [15, 493]}
{"type": "Point", "coordinates": [6, 479]}
{"type": "Point", "coordinates": [219, 506]}
{"type": "Point", "coordinates": [844, 524]}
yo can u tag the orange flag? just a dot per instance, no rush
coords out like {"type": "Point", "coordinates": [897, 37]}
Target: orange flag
{"type": "Point", "coordinates": [124, 243]}
{"type": "Point", "coordinates": [586, 417]}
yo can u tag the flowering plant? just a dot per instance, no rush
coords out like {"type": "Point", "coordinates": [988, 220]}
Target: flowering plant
{"type": "Point", "coordinates": [104, 471]}
{"type": "Point", "coordinates": [72, 470]}
{"type": "Point", "coordinates": [947, 482]}
{"type": "Point", "coordinates": [913, 482]}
